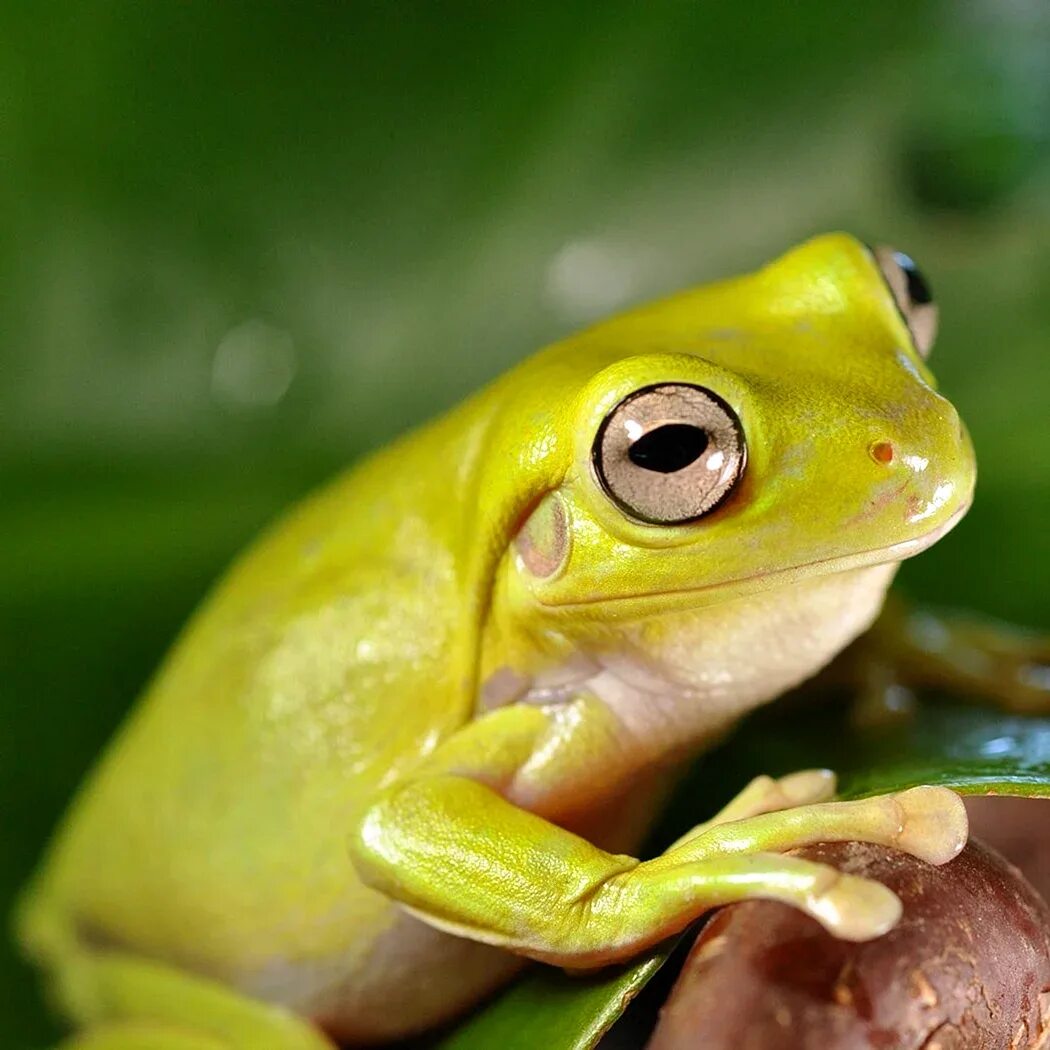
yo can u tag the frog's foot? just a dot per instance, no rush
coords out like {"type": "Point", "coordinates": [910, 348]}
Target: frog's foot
{"type": "Point", "coordinates": [1003, 664]}
{"type": "Point", "coordinates": [738, 860]}
{"type": "Point", "coordinates": [975, 658]}
{"type": "Point", "coordinates": [881, 699]}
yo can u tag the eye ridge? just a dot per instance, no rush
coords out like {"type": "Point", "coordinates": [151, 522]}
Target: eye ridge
{"type": "Point", "coordinates": [669, 448]}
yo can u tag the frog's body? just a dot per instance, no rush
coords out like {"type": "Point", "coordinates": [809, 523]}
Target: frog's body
{"type": "Point", "coordinates": [463, 645]}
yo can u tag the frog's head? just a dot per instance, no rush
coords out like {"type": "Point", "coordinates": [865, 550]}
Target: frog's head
{"type": "Point", "coordinates": [744, 435]}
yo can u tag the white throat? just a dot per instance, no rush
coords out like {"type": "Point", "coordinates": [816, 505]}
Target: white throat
{"type": "Point", "coordinates": [680, 678]}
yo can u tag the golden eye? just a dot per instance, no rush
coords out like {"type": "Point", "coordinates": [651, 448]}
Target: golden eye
{"type": "Point", "coordinates": [912, 294]}
{"type": "Point", "coordinates": [670, 453]}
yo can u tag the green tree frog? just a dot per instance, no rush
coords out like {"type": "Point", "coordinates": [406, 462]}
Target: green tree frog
{"type": "Point", "coordinates": [413, 739]}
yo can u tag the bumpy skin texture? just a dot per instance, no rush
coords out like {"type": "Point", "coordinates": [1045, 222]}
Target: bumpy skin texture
{"type": "Point", "coordinates": [463, 657]}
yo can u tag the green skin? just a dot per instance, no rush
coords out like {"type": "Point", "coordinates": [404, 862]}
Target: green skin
{"type": "Point", "coordinates": [464, 659]}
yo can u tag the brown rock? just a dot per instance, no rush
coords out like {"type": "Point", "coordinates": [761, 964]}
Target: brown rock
{"type": "Point", "coordinates": [1019, 828]}
{"type": "Point", "coordinates": [967, 967]}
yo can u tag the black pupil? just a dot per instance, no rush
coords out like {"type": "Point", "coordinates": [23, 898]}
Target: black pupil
{"type": "Point", "coordinates": [669, 448]}
{"type": "Point", "coordinates": [918, 290]}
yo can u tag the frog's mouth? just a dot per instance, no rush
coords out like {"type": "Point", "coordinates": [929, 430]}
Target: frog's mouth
{"type": "Point", "coordinates": [819, 567]}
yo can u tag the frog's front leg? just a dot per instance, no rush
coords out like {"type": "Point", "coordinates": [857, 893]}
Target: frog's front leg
{"type": "Point", "coordinates": [977, 659]}
{"type": "Point", "coordinates": [451, 844]}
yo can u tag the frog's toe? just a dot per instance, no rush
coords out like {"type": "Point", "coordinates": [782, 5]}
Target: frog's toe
{"type": "Point", "coordinates": [933, 823]}
{"type": "Point", "coordinates": [928, 822]}
{"type": "Point", "coordinates": [766, 794]}
{"type": "Point", "coordinates": [806, 787]}
{"type": "Point", "coordinates": [853, 908]}
{"type": "Point", "coordinates": [664, 893]}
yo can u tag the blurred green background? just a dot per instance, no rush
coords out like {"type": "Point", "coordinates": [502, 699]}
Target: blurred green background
{"type": "Point", "coordinates": [242, 243]}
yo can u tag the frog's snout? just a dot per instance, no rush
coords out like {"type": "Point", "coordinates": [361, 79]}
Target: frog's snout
{"type": "Point", "coordinates": [931, 478]}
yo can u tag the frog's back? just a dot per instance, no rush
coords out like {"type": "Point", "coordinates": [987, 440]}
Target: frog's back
{"type": "Point", "coordinates": [334, 654]}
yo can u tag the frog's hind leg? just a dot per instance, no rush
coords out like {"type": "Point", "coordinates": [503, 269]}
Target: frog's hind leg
{"type": "Point", "coordinates": [120, 1001]}
{"type": "Point", "coordinates": [968, 656]}
{"type": "Point", "coordinates": [116, 999]}
{"type": "Point", "coordinates": [138, 1036]}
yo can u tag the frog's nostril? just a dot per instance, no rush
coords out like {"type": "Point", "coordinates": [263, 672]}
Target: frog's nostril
{"type": "Point", "coordinates": [881, 452]}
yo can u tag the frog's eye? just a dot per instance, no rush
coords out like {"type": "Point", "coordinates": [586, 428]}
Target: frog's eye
{"type": "Point", "coordinates": [912, 294]}
{"type": "Point", "coordinates": [668, 454]}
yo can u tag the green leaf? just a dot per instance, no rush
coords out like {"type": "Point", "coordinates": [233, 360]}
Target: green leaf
{"type": "Point", "coordinates": [971, 749]}
{"type": "Point", "coordinates": [548, 1008]}
{"type": "Point", "coordinates": [974, 750]}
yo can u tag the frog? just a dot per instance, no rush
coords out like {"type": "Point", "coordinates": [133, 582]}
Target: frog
{"type": "Point", "coordinates": [415, 738]}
